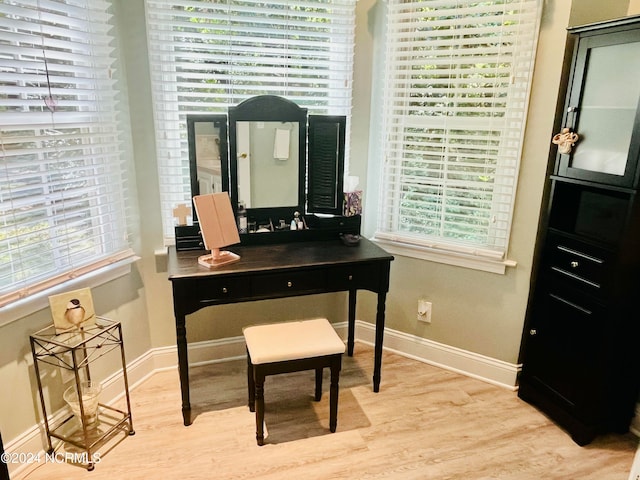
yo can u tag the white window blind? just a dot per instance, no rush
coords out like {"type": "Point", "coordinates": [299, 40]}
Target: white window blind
{"type": "Point", "coordinates": [62, 176]}
{"type": "Point", "coordinates": [208, 55]}
{"type": "Point", "coordinates": [456, 92]}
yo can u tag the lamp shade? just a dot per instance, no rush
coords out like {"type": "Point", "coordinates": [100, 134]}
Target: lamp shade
{"type": "Point", "coordinates": [218, 227]}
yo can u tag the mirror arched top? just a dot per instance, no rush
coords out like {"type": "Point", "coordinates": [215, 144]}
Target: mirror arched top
{"type": "Point", "coordinates": [267, 156]}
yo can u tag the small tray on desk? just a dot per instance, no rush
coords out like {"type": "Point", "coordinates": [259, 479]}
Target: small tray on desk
{"type": "Point", "coordinates": [188, 237]}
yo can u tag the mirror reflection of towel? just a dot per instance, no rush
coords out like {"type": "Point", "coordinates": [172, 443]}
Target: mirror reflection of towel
{"type": "Point", "coordinates": [281, 144]}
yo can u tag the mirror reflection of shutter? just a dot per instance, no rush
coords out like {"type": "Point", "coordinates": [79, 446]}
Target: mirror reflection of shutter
{"type": "Point", "coordinates": [326, 164]}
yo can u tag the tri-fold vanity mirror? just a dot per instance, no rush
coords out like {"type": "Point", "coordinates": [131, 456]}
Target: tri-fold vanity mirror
{"type": "Point", "coordinates": [282, 168]}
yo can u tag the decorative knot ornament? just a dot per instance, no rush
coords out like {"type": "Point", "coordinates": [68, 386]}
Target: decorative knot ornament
{"type": "Point", "coordinates": [565, 140]}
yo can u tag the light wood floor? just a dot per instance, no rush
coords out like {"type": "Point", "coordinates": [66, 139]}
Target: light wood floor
{"type": "Point", "coordinates": [425, 423]}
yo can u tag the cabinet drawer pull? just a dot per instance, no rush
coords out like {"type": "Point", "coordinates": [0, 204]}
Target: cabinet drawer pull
{"type": "Point", "coordinates": [224, 290]}
{"type": "Point", "coordinates": [579, 254]}
{"type": "Point", "coordinates": [576, 277]}
{"type": "Point", "coordinates": [350, 277]}
{"type": "Point", "coordinates": [289, 284]}
{"type": "Point", "coordinates": [533, 332]}
{"type": "Point", "coordinates": [570, 304]}
{"type": "Point", "coordinates": [574, 264]}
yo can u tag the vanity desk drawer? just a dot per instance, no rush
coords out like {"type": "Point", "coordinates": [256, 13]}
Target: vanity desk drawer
{"type": "Point", "coordinates": [290, 282]}
{"type": "Point", "coordinates": [222, 289]}
{"type": "Point", "coordinates": [353, 277]}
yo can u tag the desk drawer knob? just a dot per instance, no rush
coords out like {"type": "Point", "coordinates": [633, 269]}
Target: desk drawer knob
{"type": "Point", "coordinates": [533, 332]}
{"type": "Point", "coordinates": [289, 284]}
{"type": "Point", "coordinates": [224, 290]}
{"type": "Point", "coordinates": [574, 264]}
{"type": "Point", "coordinates": [350, 277]}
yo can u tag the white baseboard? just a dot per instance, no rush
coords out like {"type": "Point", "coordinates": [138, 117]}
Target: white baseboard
{"type": "Point", "coordinates": [158, 359]}
{"type": "Point", "coordinates": [454, 359]}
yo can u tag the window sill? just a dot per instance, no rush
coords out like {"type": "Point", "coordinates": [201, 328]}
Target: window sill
{"type": "Point", "coordinates": [449, 258]}
{"type": "Point", "coordinates": [39, 301]}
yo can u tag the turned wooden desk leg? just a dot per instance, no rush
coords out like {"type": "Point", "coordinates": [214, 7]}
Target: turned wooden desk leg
{"type": "Point", "coordinates": [379, 339]}
{"type": "Point", "coordinates": [351, 332]}
{"type": "Point", "coordinates": [183, 368]}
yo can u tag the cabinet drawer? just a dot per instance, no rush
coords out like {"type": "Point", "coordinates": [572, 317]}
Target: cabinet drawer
{"type": "Point", "coordinates": [580, 264]}
{"type": "Point", "coordinates": [285, 283]}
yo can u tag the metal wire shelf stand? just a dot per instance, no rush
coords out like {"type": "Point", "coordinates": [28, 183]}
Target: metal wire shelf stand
{"type": "Point", "coordinates": [75, 350]}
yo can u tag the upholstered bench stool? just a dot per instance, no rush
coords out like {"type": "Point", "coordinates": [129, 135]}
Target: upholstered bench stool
{"type": "Point", "coordinates": [292, 347]}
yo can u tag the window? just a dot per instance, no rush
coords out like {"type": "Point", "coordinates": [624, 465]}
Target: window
{"type": "Point", "coordinates": [456, 91]}
{"type": "Point", "coordinates": [63, 182]}
{"type": "Point", "coordinates": [209, 55]}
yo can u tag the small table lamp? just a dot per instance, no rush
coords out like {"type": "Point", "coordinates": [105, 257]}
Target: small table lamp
{"type": "Point", "coordinates": [218, 227]}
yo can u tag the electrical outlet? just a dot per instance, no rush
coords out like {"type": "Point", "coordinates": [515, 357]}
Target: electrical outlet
{"type": "Point", "coordinates": [424, 311]}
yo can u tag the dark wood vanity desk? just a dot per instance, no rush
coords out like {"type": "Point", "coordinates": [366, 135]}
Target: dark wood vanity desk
{"type": "Point", "coordinates": [276, 271]}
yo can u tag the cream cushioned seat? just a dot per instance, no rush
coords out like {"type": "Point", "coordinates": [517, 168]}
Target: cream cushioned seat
{"type": "Point", "coordinates": [278, 342]}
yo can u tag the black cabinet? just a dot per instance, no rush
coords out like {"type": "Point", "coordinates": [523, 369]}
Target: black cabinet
{"type": "Point", "coordinates": [4, 469]}
{"type": "Point", "coordinates": [580, 342]}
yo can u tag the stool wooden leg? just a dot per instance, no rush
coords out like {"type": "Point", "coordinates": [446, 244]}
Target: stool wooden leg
{"type": "Point", "coordinates": [251, 385]}
{"type": "Point", "coordinates": [318, 384]}
{"type": "Point", "coordinates": [259, 389]}
{"type": "Point", "coordinates": [333, 394]}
